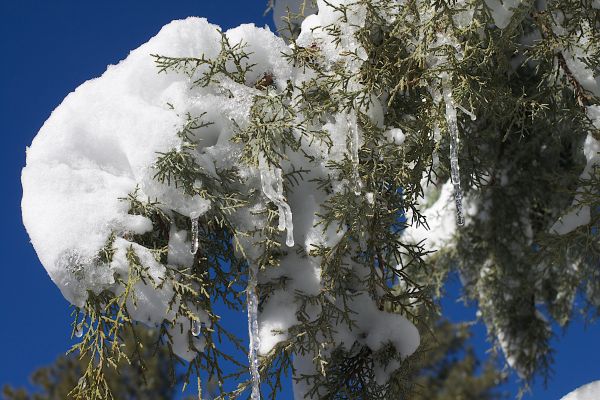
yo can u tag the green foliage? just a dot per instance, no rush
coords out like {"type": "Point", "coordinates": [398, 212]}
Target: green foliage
{"type": "Point", "coordinates": [210, 69]}
{"type": "Point", "coordinates": [520, 165]}
{"type": "Point", "coordinates": [101, 344]}
{"type": "Point", "coordinates": [444, 369]}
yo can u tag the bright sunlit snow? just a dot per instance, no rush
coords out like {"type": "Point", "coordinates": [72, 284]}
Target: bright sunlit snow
{"type": "Point", "coordinates": [102, 141]}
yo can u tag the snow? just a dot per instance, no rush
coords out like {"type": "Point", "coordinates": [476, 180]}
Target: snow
{"type": "Point", "coordinates": [591, 391]}
{"type": "Point", "coordinates": [579, 215]}
{"type": "Point", "coordinates": [440, 216]}
{"type": "Point", "coordinates": [502, 11]}
{"type": "Point", "coordinates": [102, 143]}
{"type": "Point", "coordinates": [575, 54]}
{"type": "Point", "coordinates": [178, 249]}
{"type": "Point", "coordinates": [395, 135]}
{"type": "Point", "coordinates": [88, 154]}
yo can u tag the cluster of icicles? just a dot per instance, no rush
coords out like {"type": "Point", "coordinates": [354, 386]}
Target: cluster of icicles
{"type": "Point", "coordinates": [272, 187]}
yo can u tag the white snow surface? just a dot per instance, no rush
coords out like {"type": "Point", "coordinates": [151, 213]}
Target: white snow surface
{"type": "Point", "coordinates": [98, 144]}
{"type": "Point", "coordinates": [102, 141]}
{"type": "Point", "coordinates": [591, 391]}
{"type": "Point", "coordinates": [95, 148]}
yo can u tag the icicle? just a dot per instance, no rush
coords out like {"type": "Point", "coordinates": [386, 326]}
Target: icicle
{"type": "Point", "coordinates": [436, 137]}
{"type": "Point", "coordinates": [195, 240]}
{"type": "Point", "coordinates": [362, 241]}
{"type": "Point", "coordinates": [279, 194]}
{"type": "Point", "coordinates": [271, 180]}
{"type": "Point", "coordinates": [469, 113]}
{"type": "Point", "coordinates": [82, 382]}
{"type": "Point", "coordinates": [454, 167]}
{"type": "Point", "coordinates": [195, 328]}
{"type": "Point", "coordinates": [252, 300]}
{"type": "Point", "coordinates": [354, 146]}
{"type": "Point", "coordinates": [79, 330]}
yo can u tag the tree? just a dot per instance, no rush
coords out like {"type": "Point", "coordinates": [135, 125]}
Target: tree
{"type": "Point", "coordinates": [347, 140]}
{"type": "Point", "coordinates": [146, 375]}
{"type": "Point", "coordinates": [444, 368]}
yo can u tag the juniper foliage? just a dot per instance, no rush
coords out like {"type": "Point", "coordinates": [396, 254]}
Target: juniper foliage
{"type": "Point", "coordinates": [521, 166]}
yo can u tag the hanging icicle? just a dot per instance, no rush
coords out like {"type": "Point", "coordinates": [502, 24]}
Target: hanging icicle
{"type": "Point", "coordinates": [354, 146]}
{"type": "Point", "coordinates": [79, 330]}
{"type": "Point", "coordinates": [195, 239]}
{"type": "Point", "coordinates": [469, 113]}
{"type": "Point", "coordinates": [453, 130]}
{"type": "Point", "coordinates": [271, 180]}
{"type": "Point", "coordinates": [252, 300]}
{"type": "Point", "coordinates": [195, 328]}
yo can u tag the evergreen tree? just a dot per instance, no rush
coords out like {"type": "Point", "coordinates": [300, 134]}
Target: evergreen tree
{"type": "Point", "coordinates": [445, 368]}
{"type": "Point", "coordinates": [319, 182]}
{"type": "Point", "coordinates": [143, 376]}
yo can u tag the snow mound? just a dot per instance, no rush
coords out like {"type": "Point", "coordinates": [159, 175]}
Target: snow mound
{"type": "Point", "coordinates": [98, 144]}
{"type": "Point", "coordinates": [101, 144]}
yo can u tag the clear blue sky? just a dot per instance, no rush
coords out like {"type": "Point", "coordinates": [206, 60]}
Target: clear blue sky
{"type": "Point", "coordinates": [48, 49]}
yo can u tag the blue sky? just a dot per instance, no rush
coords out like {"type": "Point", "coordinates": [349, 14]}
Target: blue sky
{"type": "Point", "coordinates": [48, 49]}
